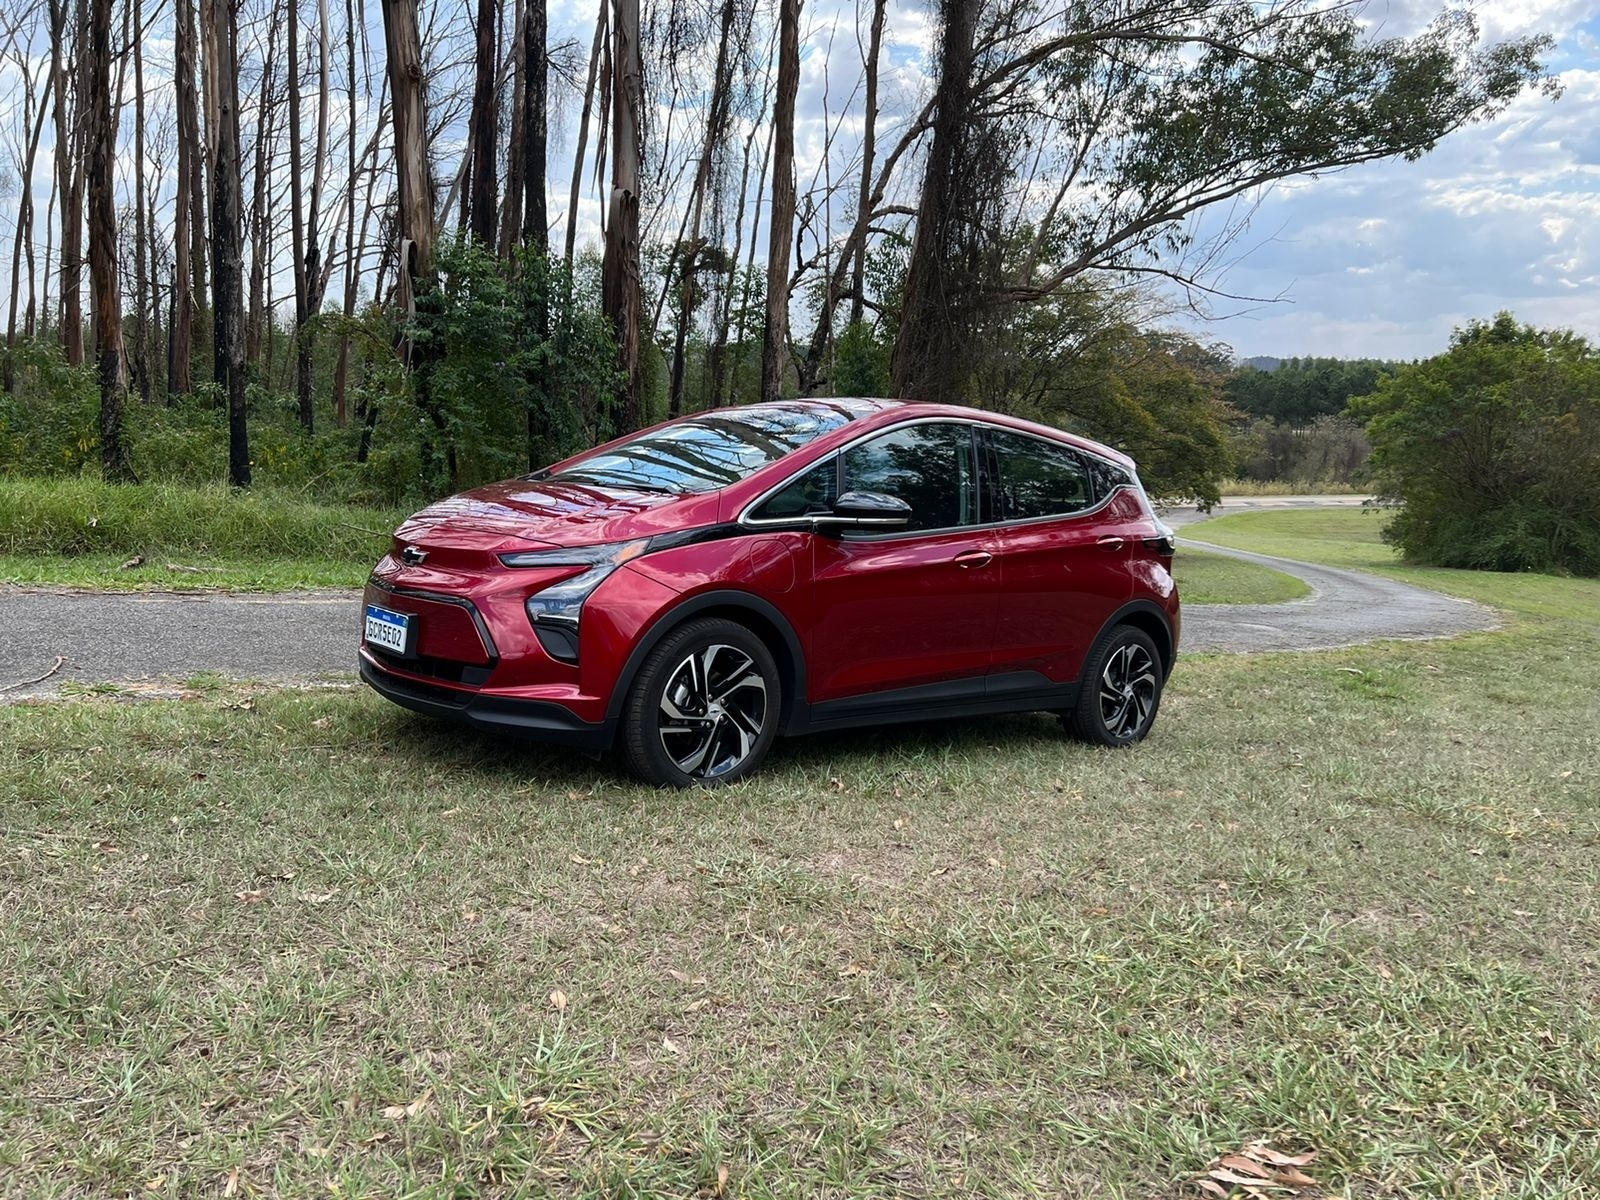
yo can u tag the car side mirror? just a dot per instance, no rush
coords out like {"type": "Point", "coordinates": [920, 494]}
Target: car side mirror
{"type": "Point", "coordinates": [867, 510]}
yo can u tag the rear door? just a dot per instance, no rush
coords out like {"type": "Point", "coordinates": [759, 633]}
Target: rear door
{"type": "Point", "coordinates": [1064, 568]}
{"type": "Point", "coordinates": [913, 608]}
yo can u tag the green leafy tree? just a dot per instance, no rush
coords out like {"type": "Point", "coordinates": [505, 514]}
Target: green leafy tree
{"type": "Point", "coordinates": [1492, 451]}
{"type": "Point", "coordinates": [1302, 389]}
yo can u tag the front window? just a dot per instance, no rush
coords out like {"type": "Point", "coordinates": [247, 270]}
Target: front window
{"type": "Point", "coordinates": [929, 466]}
{"type": "Point", "coordinates": [708, 451]}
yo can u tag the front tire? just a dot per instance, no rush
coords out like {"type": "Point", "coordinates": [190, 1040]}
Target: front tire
{"type": "Point", "coordinates": [704, 708]}
{"type": "Point", "coordinates": [1120, 690]}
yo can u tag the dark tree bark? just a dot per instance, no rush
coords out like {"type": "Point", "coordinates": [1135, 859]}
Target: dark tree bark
{"type": "Point", "coordinates": [485, 127]}
{"type": "Point", "coordinates": [535, 126]}
{"type": "Point", "coordinates": [141, 259]}
{"type": "Point", "coordinates": [101, 141]}
{"type": "Point", "coordinates": [219, 34]}
{"type": "Point", "coordinates": [416, 282]}
{"type": "Point", "coordinates": [179, 381]}
{"type": "Point", "coordinates": [511, 212]}
{"type": "Point", "coordinates": [775, 340]}
{"type": "Point", "coordinates": [922, 364]}
{"type": "Point", "coordinates": [621, 296]}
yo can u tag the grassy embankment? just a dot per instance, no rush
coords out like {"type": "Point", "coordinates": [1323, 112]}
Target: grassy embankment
{"type": "Point", "coordinates": [78, 533]}
{"type": "Point", "coordinates": [310, 945]}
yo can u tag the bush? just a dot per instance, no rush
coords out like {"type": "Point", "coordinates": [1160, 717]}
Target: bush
{"type": "Point", "coordinates": [1492, 451]}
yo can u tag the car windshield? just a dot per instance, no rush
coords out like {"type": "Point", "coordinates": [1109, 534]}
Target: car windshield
{"type": "Point", "coordinates": [709, 451]}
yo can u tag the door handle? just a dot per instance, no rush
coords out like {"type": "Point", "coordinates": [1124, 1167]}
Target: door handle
{"type": "Point", "coordinates": [974, 558]}
{"type": "Point", "coordinates": [1111, 542]}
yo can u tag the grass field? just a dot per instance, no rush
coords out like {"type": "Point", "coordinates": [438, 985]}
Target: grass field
{"type": "Point", "coordinates": [1217, 579]}
{"type": "Point", "coordinates": [302, 944]}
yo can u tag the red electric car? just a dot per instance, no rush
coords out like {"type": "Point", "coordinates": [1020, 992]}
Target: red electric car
{"type": "Point", "coordinates": [690, 592]}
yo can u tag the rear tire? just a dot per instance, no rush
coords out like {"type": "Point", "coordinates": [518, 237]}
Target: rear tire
{"type": "Point", "coordinates": [703, 709]}
{"type": "Point", "coordinates": [1120, 690]}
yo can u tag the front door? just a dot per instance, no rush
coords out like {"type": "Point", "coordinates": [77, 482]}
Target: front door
{"type": "Point", "coordinates": [914, 608]}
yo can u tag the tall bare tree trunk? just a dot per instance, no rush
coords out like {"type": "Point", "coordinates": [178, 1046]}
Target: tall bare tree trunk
{"type": "Point", "coordinates": [219, 33]}
{"type": "Point", "coordinates": [774, 342]}
{"type": "Point", "coordinates": [869, 133]}
{"type": "Point", "coordinates": [416, 210]}
{"type": "Point", "coordinates": [620, 283]}
{"type": "Point", "coordinates": [511, 213]}
{"type": "Point", "coordinates": [483, 132]}
{"type": "Point", "coordinates": [341, 371]}
{"type": "Point", "coordinates": [258, 319]}
{"type": "Point", "coordinates": [65, 44]}
{"type": "Point", "coordinates": [141, 277]}
{"type": "Point", "coordinates": [535, 126]}
{"type": "Point", "coordinates": [600, 26]}
{"type": "Point", "coordinates": [304, 219]}
{"type": "Point", "coordinates": [689, 253]}
{"type": "Point", "coordinates": [34, 111]}
{"type": "Point", "coordinates": [179, 381]}
{"type": "Point", "coordinates": [101, 143]}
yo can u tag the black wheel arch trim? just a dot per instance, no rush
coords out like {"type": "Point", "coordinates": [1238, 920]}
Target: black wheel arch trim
{"type": "Point", "coordinates": [1144, 608]}
{"type": "Point", "coordinates": [724, 598]}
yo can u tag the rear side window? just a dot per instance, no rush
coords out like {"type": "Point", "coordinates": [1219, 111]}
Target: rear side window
{"type": "Point", "coordinates": [1039, 478]}
{"type": "Point", "coordinates": [1108, 477]}
{"type": "Point", "coordinates": [929, 466]}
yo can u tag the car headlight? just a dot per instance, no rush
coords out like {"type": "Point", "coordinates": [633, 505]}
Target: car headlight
{"type": "Point", "coordinates": [554, 611]}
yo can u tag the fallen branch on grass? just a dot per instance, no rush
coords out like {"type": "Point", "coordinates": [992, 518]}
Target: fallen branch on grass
{"type": "Point", "coordinates": [61, 661]}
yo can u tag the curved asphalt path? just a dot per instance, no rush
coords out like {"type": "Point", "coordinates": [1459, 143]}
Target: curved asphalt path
{"type": "Point", "coordinates": [151, 637]}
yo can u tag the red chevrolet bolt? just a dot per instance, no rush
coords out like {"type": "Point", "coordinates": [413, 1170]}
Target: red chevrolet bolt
{"type": "Point", "coordinates": [688, 593]}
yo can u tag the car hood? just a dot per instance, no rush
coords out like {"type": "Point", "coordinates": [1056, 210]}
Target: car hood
{"type": "Point", "coordinates": [521, 513]}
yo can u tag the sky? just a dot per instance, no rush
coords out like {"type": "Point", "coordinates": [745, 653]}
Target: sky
{"type": "Point", "coordinates": [1383, 261]}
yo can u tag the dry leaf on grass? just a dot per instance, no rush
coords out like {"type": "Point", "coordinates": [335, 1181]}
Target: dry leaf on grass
{"type": "Point", "coordinates": [230, 1183]}
{"type": "Point", "coordinates": [1257, 1172]}
{"type": "Point", "coordinates": [401, 1112]}
{"type": "Point", "coordinates": [247, 897]}
{"type": "Point", "coordinates": [670, 1046]}
{"type": "Point", "coordinates": [558, 1000]}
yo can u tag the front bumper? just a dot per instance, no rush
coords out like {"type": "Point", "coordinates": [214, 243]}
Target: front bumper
{"type": "Point", "coordinates": [534, 720]}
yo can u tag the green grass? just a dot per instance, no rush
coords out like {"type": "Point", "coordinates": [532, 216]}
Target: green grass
{"type": "Point", "coordinates": [1353, 537]}
{"type": "Point", "coordinates": [104, 572]}
{"type": "Point", "coordinates": [78, 532]}
{"type": "Point", "coordinates": [1217, 579]}
{"type": "Point", "coordinates": [1342, 901]}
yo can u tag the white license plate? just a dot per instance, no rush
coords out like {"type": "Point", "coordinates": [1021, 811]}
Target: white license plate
{"type": "Point", "coordinates": [387, 630]}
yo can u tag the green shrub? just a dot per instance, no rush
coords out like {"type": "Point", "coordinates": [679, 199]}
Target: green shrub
{"type": "Point", "coordinates": [1492, 451]}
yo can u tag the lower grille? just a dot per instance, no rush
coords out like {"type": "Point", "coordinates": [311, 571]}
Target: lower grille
{"type": "Point", "coordinates": [445, 669]}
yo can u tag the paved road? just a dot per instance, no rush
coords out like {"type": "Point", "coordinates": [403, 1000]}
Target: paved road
{"type": "Point", "coordinates": [128, 638]}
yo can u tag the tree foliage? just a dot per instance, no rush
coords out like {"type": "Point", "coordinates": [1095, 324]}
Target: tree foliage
{"type": "Point", "coordinates": [1300, 390]}
{"type": "Point", "coordinates": [1492, 451]}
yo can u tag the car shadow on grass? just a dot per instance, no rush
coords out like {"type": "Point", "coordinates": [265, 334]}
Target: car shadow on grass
{"type": "Point", "coordinates": [432, 745]}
